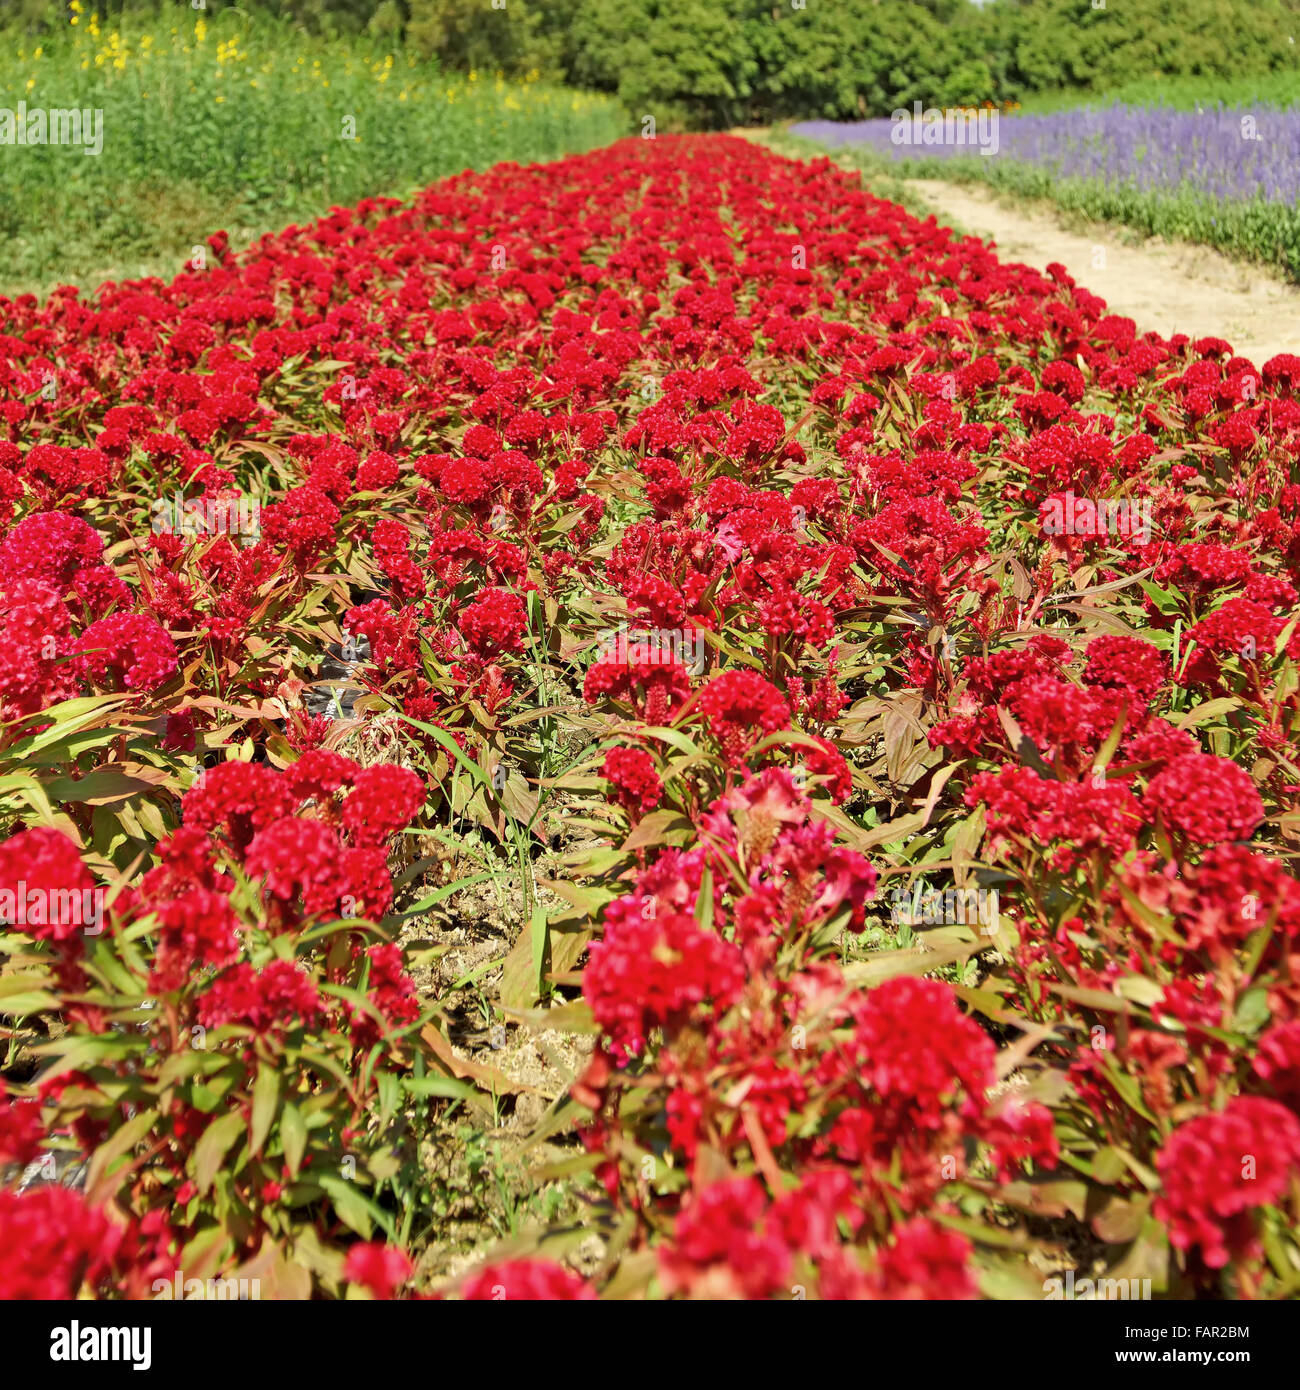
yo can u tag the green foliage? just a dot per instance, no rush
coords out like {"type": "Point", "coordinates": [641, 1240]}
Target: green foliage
{"type": "Point", "coordinates": [218, 119]}
{"type": "Point", "coordinates": [720, 62]}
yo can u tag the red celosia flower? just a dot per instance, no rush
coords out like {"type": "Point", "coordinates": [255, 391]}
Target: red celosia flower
{"type": "Point", "coordinates": [126, 648]}
{"type": "Point", "coordinates": [721, 1248]}
{"type": "Point", "coordinates": [1126, 663]}
{"type": "Point", "coordinates": [52, 1244]}
{"type": "Point", "coordinates": [738, 708]}
{"type": "Point", "coordinates": [21, 1131]}
{"type": "Point", "coordinates": [631, 772]}
{"type": "Point", "coordinates": [45, 889]}
{"type": "Point", "coordinates": [378, 1267]}
{"type": "Point", "coordinates": [299, 859]}
{"type": "Point", "coordinates": [237, 798]}
{"type": "Point", "coordinates": [526, 1280]}
{"type": "Point", "coordinates": [1278, 1062]}
{"type": "Point", "coordinates": [495, 622]}
{"type": "Point", "coordinates": [1217, 1170]}
{"type": "Point", "coordinates": [1205, 799]}
{"type": "Point", "coordinates": [280, 996]}
{"type": "Point", "coordinates": [384, 799]}
{"type": "Point", "coordinates": [653, 965]}
{"type": "Point", "coordinates": [653, 686]}
{"type": "Point", "coordinates": [924, 1261]}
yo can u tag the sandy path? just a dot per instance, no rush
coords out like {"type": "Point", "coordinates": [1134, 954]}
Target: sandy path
{"type": "Point", "coordinates": [1172, 287]}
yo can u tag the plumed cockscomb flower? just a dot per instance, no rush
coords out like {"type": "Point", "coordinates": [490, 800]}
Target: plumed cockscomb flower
{"type": "Point", "coordinates": [924, 1261]}
{"type": "Point", "coordinates": [739, 708]}
{"type": "Point", "coordinates": [378, 1267]}
{"type": "Point", "coordinates": [45, 889]}
{"type": "Point", "coordinates": [631, 772]}
{"type": "Point", "coordinates": [526, 1281]}
{"type": "Point", "coordinates": [384, 799]}
{"type": "Point", "coordinates": [653, 965]}
{"type": "Point", "coordinates": [1204, 799]}
{"type": "Point", "coordinates": [125, 650]}
{"type": "Point", "coordinates": [53, 1243]}
{"type": "Point", "coordinates": [280, 996]}
{"type": "Point", "coordinates": [238, 798]}
{"type": "Point", "coordinates": [494, 622]}
{"type": "Point", "coordinates": [1126, 663]}
{"type": "Point", "coordinates": [1217, 1170]}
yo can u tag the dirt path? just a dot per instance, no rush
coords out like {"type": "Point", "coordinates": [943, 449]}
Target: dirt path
{"type": "Point", "coordinates": [1172, 287]}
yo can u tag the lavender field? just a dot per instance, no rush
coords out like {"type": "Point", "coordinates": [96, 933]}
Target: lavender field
{"type": "Point", "coordinates": [1228, 176]}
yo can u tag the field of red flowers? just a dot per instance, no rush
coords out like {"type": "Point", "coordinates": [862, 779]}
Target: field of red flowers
{"type": "Point", "coordinates": [871, 668]}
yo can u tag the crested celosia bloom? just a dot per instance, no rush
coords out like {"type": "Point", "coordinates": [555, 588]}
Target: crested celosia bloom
{"type": "Point", "coordinates": [1278, 1062]}
{"type": "Point", "coordinates": [721, 1248]}
{"type": "Point", "coordinates": [21, 1130]}
{"type": "Point", "coordinates": [1217, 1170]}
{"type": "Point", "coordinates": [378, 1267]}
{"type": "Point", "coordinates": [1205, 799]}
{"type": "Point", "coordinates": [1079, 816]}
{"type": "Point", "coordinates": [54, 1244]}
{"type": "Point", "coordinates": [45, 888]}
{"type": "Point", "coordinates": [834, 501]}
{"type": "Point", "coordinates": [525, 1281]}
{"type": "Point", "coordinates": [631, 773]}
{"type": "Point", "coordinates": [384, 799]}
{"type": "Point", "coordinates": [494, 622]}
{"type": "Point", "coordinates": [640, 677]}
{"type": "Point", "coordinates": [279, 996]}
{"type": "Point", "coordinates": [924, 1261]}
{"type": "Point", "coordinates": [652, 965]}
{"type": "Point", "coordinates": [738, 708]}
{"type": "Point", "coordinates": [126, 650]}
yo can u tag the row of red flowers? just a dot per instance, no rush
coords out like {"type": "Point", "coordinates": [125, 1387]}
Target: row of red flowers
{"type": "Point", "coordinates": [803, 457]}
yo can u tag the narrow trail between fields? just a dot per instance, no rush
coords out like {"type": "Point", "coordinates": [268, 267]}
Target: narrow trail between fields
{"type": "Point", "coordinates": [1171, 287]}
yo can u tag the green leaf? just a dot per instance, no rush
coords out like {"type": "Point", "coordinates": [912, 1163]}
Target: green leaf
{"type": "Point", "coordinates": [121, 1142]}
{"type": "Point", "coordinates": [293, 1134]}
{"type": "Point", "coordinates": [540, 949]}
{"type": "Point", "coordinates": [214, 1143]}
{"type": "Point", "coordinates": [266, 1100]}
{"type": "Point", "coordinates": [444, 1087]}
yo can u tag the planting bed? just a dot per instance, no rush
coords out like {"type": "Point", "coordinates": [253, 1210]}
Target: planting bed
{"type": "Point", "coordinates": [814, 760]}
